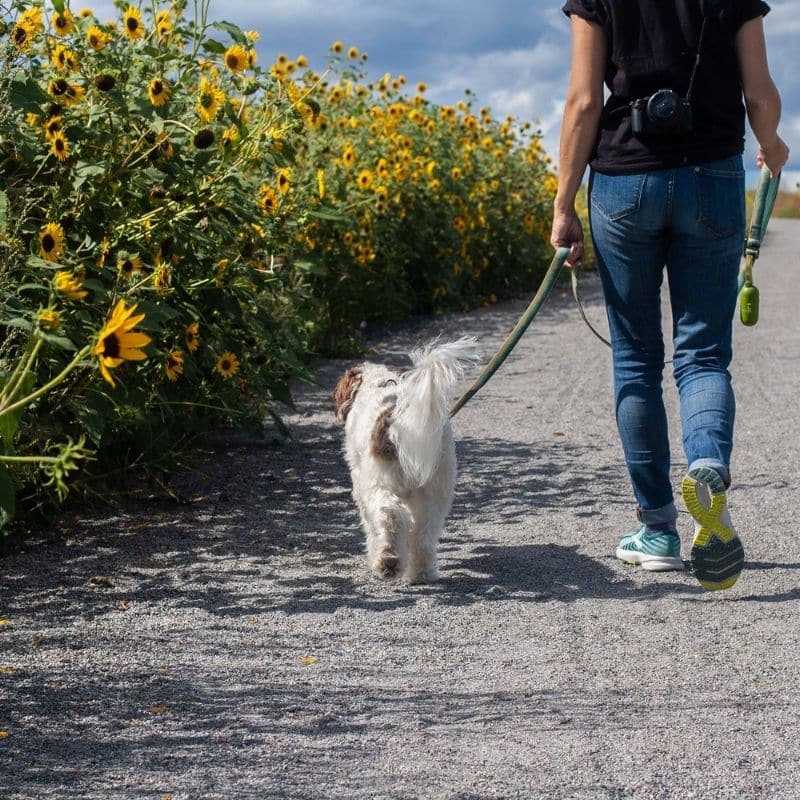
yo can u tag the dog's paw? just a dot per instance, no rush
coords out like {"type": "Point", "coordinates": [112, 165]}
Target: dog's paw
{"type": "Point", "coordinates": [424, 576]}
{"type": "Point", "coordinates": [386, 567]}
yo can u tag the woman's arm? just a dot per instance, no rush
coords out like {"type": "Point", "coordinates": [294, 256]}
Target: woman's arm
{"type": "Point", "coordinates": [584, 104]}
{"type": "Point", "coordinates": [761, 98]}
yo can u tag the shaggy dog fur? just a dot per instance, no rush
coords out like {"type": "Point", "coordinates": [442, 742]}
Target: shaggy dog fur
{"type": "Point", "coordinates": [400, 450]}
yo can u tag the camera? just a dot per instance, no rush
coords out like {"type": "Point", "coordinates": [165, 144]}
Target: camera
{"type": "Point", "coordinates": [664, 113]}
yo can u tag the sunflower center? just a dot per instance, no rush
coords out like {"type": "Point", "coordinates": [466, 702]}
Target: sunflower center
{"type": "Point", "coordinates": [225, 365]}
{"type": "Point", "coordinates": [59, 144]}
{"type": "Point", "coordinates": [20, 36]}
{"type": "Point", "coordinates": [48, 243]}
{"type": "Point", "coordinates": [111, 346]}
{"type": "Point", "coordinates": [158, 87]}
{"type": "Point", "coordinates": [132, 24]}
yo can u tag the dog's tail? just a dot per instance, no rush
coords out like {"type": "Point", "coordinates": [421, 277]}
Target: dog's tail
{"type": "Point", "coordinates": [423, 401]}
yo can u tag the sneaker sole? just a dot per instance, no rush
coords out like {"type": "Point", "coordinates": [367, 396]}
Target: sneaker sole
{"type": "Point", "coordinates": [650, 563]}
{"type": "Point", "coordinates": [717, 555]}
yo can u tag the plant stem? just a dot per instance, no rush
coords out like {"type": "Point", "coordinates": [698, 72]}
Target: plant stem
{"type": "Point", "coordinates": [11, 388]}
{"type": "Point", "coordinates": [49, 385]}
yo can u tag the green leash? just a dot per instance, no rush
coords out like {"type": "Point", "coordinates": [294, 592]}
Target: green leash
{"type": "Point", "coordinates": [549, 280]}
{"type": "Point", "coordinates": [766, 194]}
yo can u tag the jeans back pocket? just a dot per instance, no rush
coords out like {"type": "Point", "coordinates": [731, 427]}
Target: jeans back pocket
{"type": "Point", "coordinates": [616, 196]}
{"type": "Point", "coordinates": [720, 196]}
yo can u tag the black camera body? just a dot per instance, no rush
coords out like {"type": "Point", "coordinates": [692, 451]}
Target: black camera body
{"type": "Point", "coordinates": [663, 113]}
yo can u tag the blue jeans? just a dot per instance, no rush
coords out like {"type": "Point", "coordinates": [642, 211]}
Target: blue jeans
{"type": "Point", "coordinates": [691, 221]}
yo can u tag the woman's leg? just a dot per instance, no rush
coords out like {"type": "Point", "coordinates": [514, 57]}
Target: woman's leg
{"type": "Point", "coordinates": [703, 264]}
{"type": "Point", "coordinates": [629, 231]}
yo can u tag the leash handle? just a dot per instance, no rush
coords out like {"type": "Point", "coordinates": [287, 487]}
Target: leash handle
{"type": "Point", "coordinates": [508, 345]}
{"type": "Point", "coordinates": [766, 193]}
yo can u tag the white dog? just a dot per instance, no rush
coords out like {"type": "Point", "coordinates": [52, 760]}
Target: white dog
{"type": "Point", "coordinates": [400, 450]}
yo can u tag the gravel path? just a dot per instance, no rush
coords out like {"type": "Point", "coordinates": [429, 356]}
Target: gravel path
{"type": "Point", "coordinates": [236, 647]}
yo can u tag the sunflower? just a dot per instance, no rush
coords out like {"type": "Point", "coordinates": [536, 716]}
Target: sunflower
{"type": "Point", "coordinates": [284, 180]}
{"type": "Point", "coordinates": [191, 336]}
{"type": "Point", "coordinates": [63, 23]}
{"type": "Point", "coordinates": [337, 47]}
{"type": "Point", "coordinates": [64, 58]}
{"type": "Point", "coordinates": [352, 53]}
{"type": "Point", "coordinates": [267, 200]}
{"type": "Point", "coordinates": [236, 59]}
{"type": "Point", "coordinates": [49, 319]}
{"type": "Point", "coordinates": [364, 179]}
{"type": "Point", "coordinates": [51, 241]}
{"type": "Point", "coordinates": [163, 23]}
{"type": "Point", "coordinates": [158, 91]}
{"type": "Point", "coordinates": [52, 127]}
{"type": "Point", "coordinates": [97, 38]}
{"type": "Point", "coordinates": [129, 265]}
{"type": "Point", "coordinates": [164, 144]}
{"type": "Point", "coordinates": [118, 342]}
{"type": "Point", "coordinates": [227, 365]}
{"type": "Point", "coordinates": [132, 22]}
{"type": "Point", "coordinates": [27, 27]}
{"type": "Point", "coordinates": [209, 99]}
{"type": "Point", "coordinates": [65, 92]}
{"type": "Point", "coordinates": [173, 365]}
{"type": "Point", "coordinates": [230, 136]}
{"type": "Point", "coordinates": [58, 146]}
{"type": "Point", "coordinates": [22, 37]}
{"type": "Point", "coordinates": [70, 285]}
{"type": "Point", "coordinates": [348, 156]}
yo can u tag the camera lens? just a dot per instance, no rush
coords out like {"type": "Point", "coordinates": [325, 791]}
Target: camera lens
{"type": "Point", "coordinates": [663, 105]}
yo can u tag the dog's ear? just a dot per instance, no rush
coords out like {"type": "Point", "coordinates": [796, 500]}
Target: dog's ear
{"type": "Point", "coordinates": [344, 395]}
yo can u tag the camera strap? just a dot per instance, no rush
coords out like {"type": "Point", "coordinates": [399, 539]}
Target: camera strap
{"type": "Point", "coordinates": [696, 59]}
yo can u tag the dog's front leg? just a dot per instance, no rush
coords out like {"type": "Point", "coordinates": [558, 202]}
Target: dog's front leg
{"type": "Point", "coordinates": [388, 523]}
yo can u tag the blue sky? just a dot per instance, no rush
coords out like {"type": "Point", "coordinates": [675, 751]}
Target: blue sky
{"type": "Point", "coordinates": [514, 55]}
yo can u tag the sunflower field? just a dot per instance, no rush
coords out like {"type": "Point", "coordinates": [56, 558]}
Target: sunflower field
{"type": "Point", "coordinates": [183, 229]}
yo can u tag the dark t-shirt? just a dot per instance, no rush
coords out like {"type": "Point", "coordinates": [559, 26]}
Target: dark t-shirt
{"type": "Point", "coordinates": [652, 45]}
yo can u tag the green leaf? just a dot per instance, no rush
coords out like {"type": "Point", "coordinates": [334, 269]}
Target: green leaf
{"type": "Point", "coordinates": [213, 46]}
{"type": "Point", "coordinates": [58, 5]}
{"type": "Point", "coordinates": [329, 214]}
{"type": "Point", "coordinates": [59, 341]}
{"type": "Point", "coordinates": [8, 427]}
{"type": "Point", "coordinates": [17, 322]}
{"type": "Point", "coordinates": [234, 31]}
{"type": "Point", "coordinates": [7, 496]}
{"type": "Point", "coordinates": [156, 315]}
{"type": "Point", "coordinates": [25, 93]}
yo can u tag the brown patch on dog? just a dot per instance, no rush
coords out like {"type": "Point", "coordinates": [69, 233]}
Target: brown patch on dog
{"type": "Point", "coordinates": [380, 445]}
{"type": "Point", "coordinates": [344, 395]}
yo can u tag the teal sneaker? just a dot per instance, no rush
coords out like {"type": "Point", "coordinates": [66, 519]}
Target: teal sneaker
{"type": "Point", "coordinates": [653, 550]}
{"type": "Point", "coordinates": [717, 555]}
